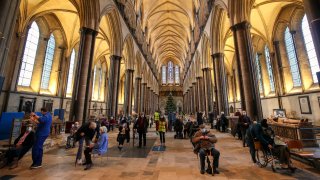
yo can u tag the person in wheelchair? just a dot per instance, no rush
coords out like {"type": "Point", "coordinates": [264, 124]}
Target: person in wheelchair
{"type": "Point", "coordinates": [205, 141]}
{"type": "Point", "coordinates": [263, 133]}
{"type": "Point", "coordinates": [21, 146]}
{"type": "Point", "coordinates": [71, 137]}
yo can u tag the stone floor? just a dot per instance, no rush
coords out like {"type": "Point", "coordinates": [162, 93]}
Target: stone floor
{"type": "Point", "coordinates": [175, 163]}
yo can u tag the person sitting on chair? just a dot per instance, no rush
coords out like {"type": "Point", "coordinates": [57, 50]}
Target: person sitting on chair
{"type": "Point", "coordinates": [73, 131]}
{"type": "Point", "coordinates": [205, 141]}
{"type": "Point", "coordinates": [21, 146]}
{"type": "Point", "coordinates": [99, 148]}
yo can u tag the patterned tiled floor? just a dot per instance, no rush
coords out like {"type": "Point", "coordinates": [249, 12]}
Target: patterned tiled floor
{"type": "Point", "coordinates": [175, 163]}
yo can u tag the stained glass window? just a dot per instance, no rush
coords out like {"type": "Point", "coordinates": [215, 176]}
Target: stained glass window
{"type": "Point", "coordinates": [269, 68]}
{"type": "Point", "coordinates": [71, 72]}
{"type": "Point", "coordinates": [292, 58]}
{"type": "Point", "coordinates": [259, 73]}
{"type": "Point", "coordinates": [170, 73]}
{"type": "Point", "coordinates": [177, 75]}
{"type": "Point", "coordinates": [164, 75]}
{"type": "Point", "coordinates": [29, 56]}
{"type": "Point", "coordinates": [47, 66]}
{"type": "Point", "coordinates": [313, 60]}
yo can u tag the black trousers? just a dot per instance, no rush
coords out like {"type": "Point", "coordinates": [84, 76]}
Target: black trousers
{"type": "Point", "coordinates": [243, 134]}
{"type": "Point", "coordinates": [215, 153]}
{"type": "Point", "coordinates": [144, 136]}
{"type": "Point", "coordinates": [252, 150]}
{"type": "Point", "coordinates": [162, 137]}
{"type": "Point", "coordinates": [87, 155]}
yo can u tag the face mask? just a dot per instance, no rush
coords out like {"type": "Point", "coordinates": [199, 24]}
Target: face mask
{"type": "Point", "coordinates": [29, 129]}
{"type": "Point", "coordinates": [203, 130]}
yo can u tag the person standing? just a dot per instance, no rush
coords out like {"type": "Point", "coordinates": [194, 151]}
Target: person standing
{"type": "Point", "coordinates": [224, 122]}
{"type": "Point", "coordinates": [245, 123]}
{"type": "Point", "coordinates": [199, 118]}
{"type": "Point", "coordinates": [43, 130]}
{"type": "Point", "coordinates": [211, 117]}
{"type": "Point", "coordinates": [141, 125]}
{"type": "Point", "coordinates": [156, 119]}
{"type": "Point", "coordinates": [163, 127]}
{"type": "Point", "coordinates": [85, 133]}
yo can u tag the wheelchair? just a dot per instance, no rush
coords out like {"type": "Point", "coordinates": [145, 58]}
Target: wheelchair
{"type": "Point", "coordinates": [264, 158]}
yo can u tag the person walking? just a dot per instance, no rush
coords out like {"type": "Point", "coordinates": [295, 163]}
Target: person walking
{"type": "Point", "coordinates": [43, 130]}
{"type": "Point", "coordinates": [163, 128]}
{"type": "Point", "coordinates": [141, 125]}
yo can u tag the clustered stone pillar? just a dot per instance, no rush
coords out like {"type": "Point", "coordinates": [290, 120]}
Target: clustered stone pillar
{"type": "Point", "coordinates": [142, 103]}
{"type": "Point", "coordinates": [191, 100]}
{"type": "Point", "coordinates": [200, 89]}
{"type": "Point", "coordinates": [208, 89]}
{"type": "Point", "coordinates": [128, 92]}
{"type": "Point", "coordinates": [221, 82]}
{"type": "Point", "coordinates": [147, 101]}
{"type": "Point", "coordinates": [137, 95]}
{"type": "Point", "coordinates": [8, 14]}
{"type": "Point", "coordinates": [195, 96]}
{"type": "Point", "coordinates": [311, 8]}
{"type": "Point", "coordinates": [113, 85]}
{"type": "Point", "coordinates": [250, 96]}
{"type": "Point", "coordinates": [81, 89]}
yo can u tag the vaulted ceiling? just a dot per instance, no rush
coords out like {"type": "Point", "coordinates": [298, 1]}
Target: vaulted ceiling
{"type": "Point", "coordinates": [171, 27]}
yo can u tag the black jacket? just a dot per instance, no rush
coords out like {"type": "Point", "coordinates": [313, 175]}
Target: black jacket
{"type": "Point", "coordinates": [88, 133]}
{"type": "Point", "coordinates": [28, 142]}
{"type": "Point", "coordinates": [144, 127]}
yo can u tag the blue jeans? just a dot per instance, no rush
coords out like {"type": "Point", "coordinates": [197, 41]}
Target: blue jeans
{"type": "Point", "coordinates": [37, 150]}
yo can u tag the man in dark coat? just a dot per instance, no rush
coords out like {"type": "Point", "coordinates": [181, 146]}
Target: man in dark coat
{"type": "Point", "coordinates": [21, 146]}
{"type": "Point", "coordinates": [224, 122]}
{"type": "Point", "coordinates": [245, 123]}
{"type": "Point", "coordinates": [199, 118]}
{"type": "Point", "coordinates": [141, 126]}
{"type": "Point", "coordinates": [85, 133]}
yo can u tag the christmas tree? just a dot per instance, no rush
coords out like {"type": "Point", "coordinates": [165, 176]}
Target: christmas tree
{"type": "Point", "coordinates": [170, 105]}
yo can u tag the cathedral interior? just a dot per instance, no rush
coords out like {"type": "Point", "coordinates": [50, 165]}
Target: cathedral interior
{"type": "Point", "coordinates": [108, 57]}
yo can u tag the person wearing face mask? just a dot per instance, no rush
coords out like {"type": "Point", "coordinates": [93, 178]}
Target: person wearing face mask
{"type": "Point", "coordinates": [163, 128]}
{"type": "Point", "coordinates": [205, 141]}
{"type": "Point", "coordinates": [21, 146]}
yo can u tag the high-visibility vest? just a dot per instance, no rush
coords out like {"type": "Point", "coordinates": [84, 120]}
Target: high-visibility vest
{"type": "Point", "coordinates": [156, 116]}
{"type": "Point", "coordinates": [162, 126]}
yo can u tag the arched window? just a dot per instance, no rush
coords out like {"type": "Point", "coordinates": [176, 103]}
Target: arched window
{"type": "Point", "coordinates": [177, 75]}
{"type": "Point", "coordinates": [170, 73]}
{"type": "Point", "coordinates": [269, 68]}
{"type": "Point", "coordinates": [292, 58]}
{"type": "Point", "coordinates": [100, 82]}
{"type": "Point", "coordinates": [259, 73]}
{"type": "Point", "coordinates": [164, 75]}
{"type": "Point", "coordinates": [94, 82]}
{"type": "Point", "coordinates": [29, 56]}
{"type": "Point", "coordinates": [313, 60]}
{"type": "Point", "coordinates": [71, 72]}
{"type": "Point", "coordinates": [47, 66]}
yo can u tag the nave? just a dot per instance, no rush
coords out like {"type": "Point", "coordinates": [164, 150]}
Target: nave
{"type": "Point", "coordinates": [177, 162]}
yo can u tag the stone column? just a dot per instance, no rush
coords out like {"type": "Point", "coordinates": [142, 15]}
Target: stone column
{"type": "Point", "coordinates": [221, 82]}
{"type": "Point", "coordinates": [128, 92]}
{"type": "Point", "coordinates": [200, 89]}
{"type": "Point", "coordinates": [113, 85]}
{"type": "Point", "coordinates": [81, 92]}
{"type": "Point", "coordinates": [278, 76]}
{"type": "Point", "coordinates": [196, 96]}
{"type": "Point", "coordinates": [8, 14]}
{"type": "Point", "coordinates": [250, 96]}
{"type": "Point", "coordinates": [142, 94]}
{"type": "Point", "coordinates": [208, 89]}
{"type": "Point", "coordinates": [137, 95]}
{"type": "Point", "coordinates": [311, 8]}
{"type": "Point", "coordinates": [147, 101]}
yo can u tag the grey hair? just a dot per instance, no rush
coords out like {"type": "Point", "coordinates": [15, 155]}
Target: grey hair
{"type": "Point", "coordinates": [103, 129]}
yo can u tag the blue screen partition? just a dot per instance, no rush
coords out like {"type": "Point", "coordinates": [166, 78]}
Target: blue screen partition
{"type": "Point", "coordinates": [6, 123]}
{"type": "Point", "coordinates": [60, 113]}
